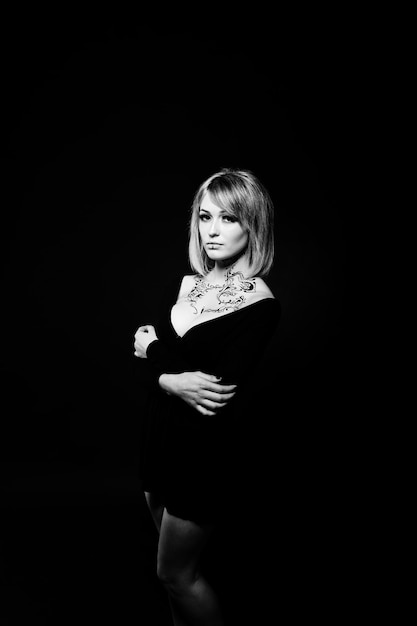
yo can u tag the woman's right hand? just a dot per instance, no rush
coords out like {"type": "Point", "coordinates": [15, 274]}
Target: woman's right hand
{"type": "Point", "coordinates": [201, 391]}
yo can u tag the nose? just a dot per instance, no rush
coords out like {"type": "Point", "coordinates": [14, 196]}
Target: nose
{"type": "Point", "coordinates": [214, 229]}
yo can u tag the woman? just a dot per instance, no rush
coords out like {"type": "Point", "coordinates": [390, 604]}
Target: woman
{"type": "Point", "coordinates": [212, 331]}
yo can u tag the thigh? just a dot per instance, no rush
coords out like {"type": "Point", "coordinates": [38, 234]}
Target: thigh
{"type": "Point", "coordinates": [181, 543]}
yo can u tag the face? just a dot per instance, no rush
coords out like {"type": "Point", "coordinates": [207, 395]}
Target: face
{"type": "Point", "coordinates": [221, 234]}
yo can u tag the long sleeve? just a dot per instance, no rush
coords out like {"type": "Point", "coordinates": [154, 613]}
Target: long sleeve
{"type": "Point", "coordinates": [248, 338]}
{"type": "Point", "coordinates": [161, 357]}
{"type": "Point", "coordinates": [165, 360]}
{"type": "Point", "coordinates": [229, 346]}
{"type": "Point", "coordinates": [177, 437]}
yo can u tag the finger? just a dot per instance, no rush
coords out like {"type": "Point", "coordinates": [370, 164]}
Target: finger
{"type": "Point", "coordinates": [218, 397]}
{"type": "Point", "coordinates": [209, 404]}
{"type": "Point", "coordinates": [145, 329]}
{"type": "Point", "coordinates": [216, 387]}
{"type": "Point", "coordinates": [212, 383]}
{"type": "Point", "coordinates": [209, 377]}
{"type": "Point", "coordinates": [204, 411]}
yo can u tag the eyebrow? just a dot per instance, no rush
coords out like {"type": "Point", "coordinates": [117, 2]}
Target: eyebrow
{"type": "Point", "coordinates": [222, 211]}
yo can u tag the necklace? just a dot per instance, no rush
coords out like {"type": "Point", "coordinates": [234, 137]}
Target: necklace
{"type": "Point", "coordinates": [230, 295]}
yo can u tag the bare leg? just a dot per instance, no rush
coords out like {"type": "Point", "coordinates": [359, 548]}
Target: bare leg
{"type": "Point", "coordinates": [180, 546]}
{"type": "Point", "coordinates": [156, 509]}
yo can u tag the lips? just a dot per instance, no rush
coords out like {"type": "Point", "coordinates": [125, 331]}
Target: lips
{"type": "Point", "coordinates": [213, 243]}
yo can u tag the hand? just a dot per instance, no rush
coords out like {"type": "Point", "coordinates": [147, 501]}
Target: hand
{"type": "Point", "coordinates": [143, 337]}
{"type": "Point", "coordinates": [201, 391]}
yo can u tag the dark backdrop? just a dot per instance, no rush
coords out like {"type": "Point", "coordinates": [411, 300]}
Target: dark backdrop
{"type": "Point", "coordinates": [110, 127]}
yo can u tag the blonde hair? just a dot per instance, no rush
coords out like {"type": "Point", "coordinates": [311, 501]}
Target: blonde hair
{"type": "Point", "coordinates": [241, 194]}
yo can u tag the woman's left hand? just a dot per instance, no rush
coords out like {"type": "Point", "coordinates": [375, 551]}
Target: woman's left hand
{"type": "Point", "coordinates": [143, 337]}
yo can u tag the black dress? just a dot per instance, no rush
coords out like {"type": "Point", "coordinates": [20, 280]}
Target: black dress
{"type": "Point", "coordinates": [193, 461]}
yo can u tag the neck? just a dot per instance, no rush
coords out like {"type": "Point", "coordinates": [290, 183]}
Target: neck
{"type": "Point", "coordinates": [221, 271]}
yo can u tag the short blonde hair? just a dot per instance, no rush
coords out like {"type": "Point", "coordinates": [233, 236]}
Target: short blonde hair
{"type": "Point", "coordinates": [241, 194]}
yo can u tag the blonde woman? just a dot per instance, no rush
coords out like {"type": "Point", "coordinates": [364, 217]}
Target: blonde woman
{"type": "Point", "coordinates": [210, 335]}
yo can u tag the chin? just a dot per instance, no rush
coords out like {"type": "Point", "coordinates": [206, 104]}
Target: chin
{"type": "Point", "coordinates": [216, 254]}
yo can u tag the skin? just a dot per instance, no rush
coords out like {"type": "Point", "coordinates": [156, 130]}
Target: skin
{"type": "Point", "coordinates": [180, 545]}
{"type": "Point", "coordinates": [216, 227]}
{"type": "Point", "coordinates": [203, 391]}
{"type": "Point", "coordinates": [181, 542]}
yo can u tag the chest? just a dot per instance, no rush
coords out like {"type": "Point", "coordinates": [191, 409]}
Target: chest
{"type": "Point", "coordinates": [205, 302]}
{"type": "Point", "coordinates": [185, 313]}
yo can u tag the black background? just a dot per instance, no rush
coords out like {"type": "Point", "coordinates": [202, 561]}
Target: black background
{"type": "Point", "coordinates": [111, 124]}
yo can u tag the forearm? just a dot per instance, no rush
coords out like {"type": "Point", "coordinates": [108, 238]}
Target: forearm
{"type": "Point", "coordinates": [164, 360]}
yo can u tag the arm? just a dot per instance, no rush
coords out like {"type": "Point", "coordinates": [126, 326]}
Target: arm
{"type": "Point", "coordinates": [203, 392]}
{"type": "Point", "coordinates": [149, 346]}
{"type": "Point", "coordinates": [247, 341]}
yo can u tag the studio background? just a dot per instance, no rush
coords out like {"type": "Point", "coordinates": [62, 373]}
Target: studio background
{"type": "Point", "coordinates": [110, 129]}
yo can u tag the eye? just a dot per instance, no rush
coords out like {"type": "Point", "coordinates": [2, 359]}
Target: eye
{"type": "Point", "coordinates": [204, 217]}
{"type": "Point", "coordinates": [229, 218]}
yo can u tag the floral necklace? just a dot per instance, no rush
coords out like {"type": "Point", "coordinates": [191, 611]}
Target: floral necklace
{"type": "Point", "coordinates": [230, 295]}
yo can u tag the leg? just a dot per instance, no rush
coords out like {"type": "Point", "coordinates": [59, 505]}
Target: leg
{"type": "Point", "coordinates": [181, 543]}
{"type": "Point", "coordinates": [157, 508]}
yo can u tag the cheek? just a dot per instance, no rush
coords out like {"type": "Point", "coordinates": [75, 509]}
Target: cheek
{"type": "Point", "coordinates": [240, 237]}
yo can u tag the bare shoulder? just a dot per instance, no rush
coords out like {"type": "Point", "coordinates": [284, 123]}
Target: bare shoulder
{"type": "Point", "coordinates": [262, 290]}
{"type": "Point", "coordinates": [187, 284]}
